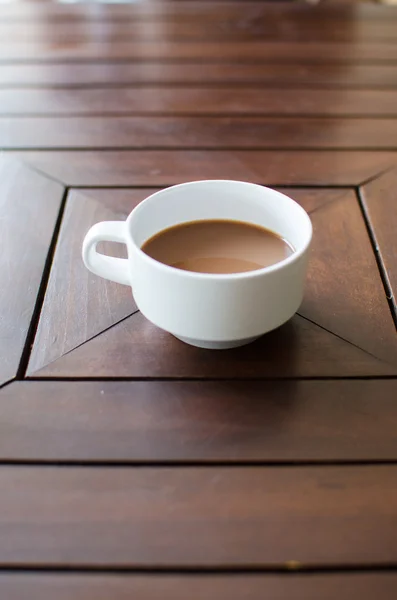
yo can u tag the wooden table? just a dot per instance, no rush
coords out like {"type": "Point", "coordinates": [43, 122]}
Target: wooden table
{"type": "Point", "coordinates": [133, 466]}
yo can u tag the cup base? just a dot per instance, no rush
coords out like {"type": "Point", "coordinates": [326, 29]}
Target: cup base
{"type": "Point", "coordinates": [217, 345]}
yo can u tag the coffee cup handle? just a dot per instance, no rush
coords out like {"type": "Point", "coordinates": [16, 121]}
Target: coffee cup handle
{"type": "Point", "coordinates": [108, 267]}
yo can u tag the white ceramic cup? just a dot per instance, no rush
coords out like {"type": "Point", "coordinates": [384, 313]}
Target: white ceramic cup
{"type": "Point", "coordinates": [208, 310]}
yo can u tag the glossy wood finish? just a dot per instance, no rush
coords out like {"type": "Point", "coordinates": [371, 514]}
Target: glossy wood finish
{"type": "Point", "coordinates": [120, 447]}
{"type": "Point", "coordinates": [135, 348]}
{"type": "Point", "coordinates": [204, 422]}
{"type": "Point", "coordinates": [245, 28]}
{"type": "Point", "coordinates": [200, 132]}
{"type": "Point", "coordinates": [313, 351]}
{"type": "Point", "coordinates": [197, 9]}
{"type": "Point", "coordinates": [334, 53]}
{"type": "Point", "coordinates": [379, 198]}
{"type": "Point", "coordinates": [357, 310]}
{"type": "Point", "coordinates": [162, 168]}
{"type": "Point", "coordinates": [226, 64]}
{"type": "Point", "coordinates": [194, 517]}
{"type": "Point", "coordinates": [24, 194]}
{"type": "Point", "coordinates": [197, 101]}
{"type": "Point", "coordinates": [197, 587]}
{"type": "Point", "coordinates": [271, 20]}
{"type": "Point", "coordinates": [64, 324]}
{"type": "Point", "coordinates": [73, 310]}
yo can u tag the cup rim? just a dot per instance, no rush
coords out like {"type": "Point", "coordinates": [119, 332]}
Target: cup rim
{"type": "Point", "coordinates": [294, 257]}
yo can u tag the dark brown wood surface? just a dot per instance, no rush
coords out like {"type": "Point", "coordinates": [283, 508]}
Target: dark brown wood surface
{"type": "Point", "coordinates": [132, 465]}
{"type": "Point", "coordinates": [258, 27]}
{"type": "Point", "coordinates": [64, 325]}
{"type": "Point", "coordinates": [199, 132]}
{"type": "Point", "coordinates": [379, 198]}
{"type": "Point", "coordinates": [305, 51]}
{"type": "Point", "coordinates": [198, 101]}
{"type": "Point", "coordinates": [357, 309]}
{"type": "Point", "coordinates": [197, 587]}
{"type": "Point", "coordinates": [136, 348]}
{"type": "Point", "coordinates": [198, 518]}
{"type": "Point", "coordinates": [29, 208]}
{"type": "Point", "coordinates": [73, 309]}
{"type": "Point", "coordinates": [168, 167]}
{"type": "Point", "coordinates": [201, 422]}
{"type": "Point", "coordinates": [168, 64]}
{"type": "Point", "coordinates": [202, 9]}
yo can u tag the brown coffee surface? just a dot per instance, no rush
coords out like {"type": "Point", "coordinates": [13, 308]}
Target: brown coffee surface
{"type": "Point", "coordinates": [217, 246]}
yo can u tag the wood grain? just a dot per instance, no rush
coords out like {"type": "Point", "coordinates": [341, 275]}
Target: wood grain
{"type": "Point", "coordinates": [262, 27]}
{"type": "Point", "coordinates": [195, 517]}
{"type": "Point", "coordinates": [121, 201]}
{"type": "Point", "coordinates": [342, 260]}
{"type": "Point", "coordinates": [184, 422]}
{"type": "Point", "coordinates": [216, 9]}
{"type": "Point", "coordinates": [231, 64]}
{"type": "Point", "coordinates": [198, 132]}
{"type": "Point", "coordinates": [197, 9]}
{"type": "Point", "coordinates": [197, 101]}
{"type": "Point", "coordinates": [161, 168]}
{"type": "Point", "coordinates": [135, 348]}
{"type": "Point", "coordinates": [379, 198]}
{"type": "Point", "coordinates": [29, 207]}
{"type": "Point", "coordinates": [271, 51]}
{"type": "Point", "coordinates": [77, 304]}
{"type": "Point", "coordinates": [198, 587]}
{"type": "Point", "coordinates": [79, 307]}
{"type": "Point", "coordinates": [124, 448]}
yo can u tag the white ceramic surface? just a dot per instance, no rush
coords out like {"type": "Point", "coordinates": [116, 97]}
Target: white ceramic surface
{"type": "Point", "coordinates": [207, 310]}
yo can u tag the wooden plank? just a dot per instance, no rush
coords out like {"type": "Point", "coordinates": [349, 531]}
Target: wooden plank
{"type": "Point", "coordinates": [78, 305]}
{"type": "Point", "coordinates": [122, 200]}
{"type": "Point", "coordinates": [209, 10]}
{"type": "Point", "coordinates": [342, 260]}
{"type": "Point", "coordinates": [197, 101]}
{"type": "Point", "coordinates": [184, 518]}
{"type": "Point", "coordinates": [262, 27]}
{"type": "Point", "coordinates": [379, 198]}
{"type": "Point", "coordinates": [227, 68]}
{"type": "Point", "coordinates": [206, 422]}
{"type": "Point", "coordinates": [323, 52]}
{"type": "Point", "coordinates": [221, 9]}
{"type": "Point", "coordinates": [64, 324]}
{"type": "Point", "coordinates": [161, 168]}
{"type": "Point", "coordinates": [198, 132]}
{"type": "Point", "coordinates": [135, 348]}
{"type": "Point", "coordinates": [197, 587]}
{"type": "Point", "coordinates": [357, 311]}
{"type": "Point", "coordinates": [330, 268]}
{"type": "Point", "coordinates": [29, 205]}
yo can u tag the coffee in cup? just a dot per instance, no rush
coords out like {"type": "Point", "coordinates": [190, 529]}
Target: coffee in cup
{"type": "Point", "coordinates": [217, 246]}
